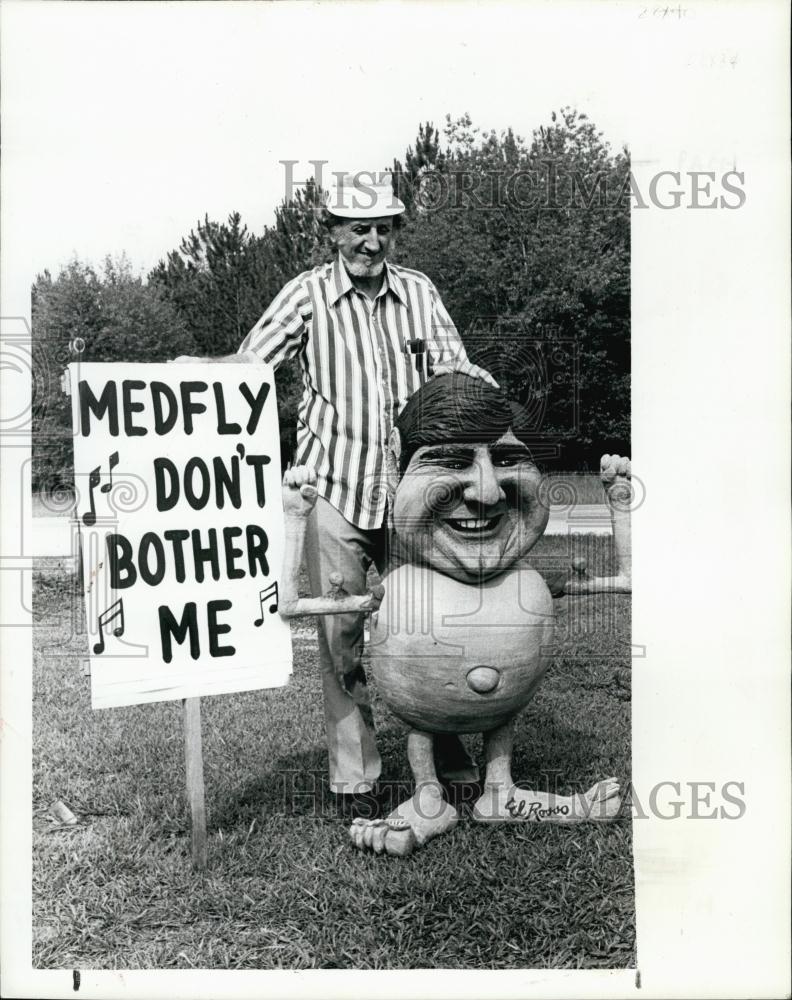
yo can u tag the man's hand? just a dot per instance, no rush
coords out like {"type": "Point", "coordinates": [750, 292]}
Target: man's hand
{"type": "Point", "coordinates": [466, 368]}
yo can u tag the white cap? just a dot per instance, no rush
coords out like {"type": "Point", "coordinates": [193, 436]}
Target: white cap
{"type": "Point", "coordinates": [364, 195]}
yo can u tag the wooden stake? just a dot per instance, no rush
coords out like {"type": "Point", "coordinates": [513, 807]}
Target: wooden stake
{"type": "Point", "coordinates": [193, 758]}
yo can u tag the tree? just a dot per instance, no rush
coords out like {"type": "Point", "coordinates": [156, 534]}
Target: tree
{"type": "Point", "coordinates": [424, 159]}
{"type": "Point", "coordinates": [529, 246]}
{"type": "Point", "coordinates": [216, 280]}
{"type": "Point", "coordinates": [222, 278]}
{"type": "Point", "coordinates": [118, 317]}
{"type": "Point", "coordinates": [528, 242]}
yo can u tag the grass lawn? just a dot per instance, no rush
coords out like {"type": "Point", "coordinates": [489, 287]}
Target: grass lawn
{"type": "Point", "coordinates": [284, 887]}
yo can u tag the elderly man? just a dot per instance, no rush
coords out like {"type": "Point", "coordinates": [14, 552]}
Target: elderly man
{"type": "Point", "coordinates": [368, 335]}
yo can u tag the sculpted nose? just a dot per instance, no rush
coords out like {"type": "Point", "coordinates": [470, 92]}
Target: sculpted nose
{"type": "Point", "coordinates": [483, 486]}
{"type": "Point", "coordinates": [482, 680]}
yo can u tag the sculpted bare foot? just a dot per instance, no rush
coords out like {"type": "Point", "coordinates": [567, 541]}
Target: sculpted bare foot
{"type": "Point", "coordinates": [423, 816]}
{"type": "Point", "coordinates": [386, 836]}
{"type": "Point", "coordinates": [502, 804]}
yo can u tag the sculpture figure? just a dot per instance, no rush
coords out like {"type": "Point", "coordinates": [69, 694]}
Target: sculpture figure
{"type": "Point", "coordinates": [460, 633]}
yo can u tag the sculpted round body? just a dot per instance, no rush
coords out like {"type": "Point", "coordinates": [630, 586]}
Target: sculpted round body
{"type": "Point", "coordinates": [473, 656]}
{"type": "Point", "coordinates": [461, 639]}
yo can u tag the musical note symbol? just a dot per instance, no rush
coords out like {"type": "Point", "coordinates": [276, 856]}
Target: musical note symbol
{"type": "Point", "coordinates": [270, 591]}
{"type": "Point", "coordinates": [94, 479]}
{"type": "Point", "coordinates": [116, 610]}
{"type": "Point", "coordinates": [112, 464]}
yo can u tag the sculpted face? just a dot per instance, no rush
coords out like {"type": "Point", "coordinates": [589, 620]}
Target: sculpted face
{"type": "Point", "coordinates": [363, 244]}
{"type": "Point", "coordinates": [469, 510]}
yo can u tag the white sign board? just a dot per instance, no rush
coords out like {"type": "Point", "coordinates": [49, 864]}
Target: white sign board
{"type": "Point", "coordinates": [177, 472]}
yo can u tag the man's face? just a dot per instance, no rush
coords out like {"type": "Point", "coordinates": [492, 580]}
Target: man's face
{"type": "Point", "coordinates": [364, 244]}
{"type": "Point", "coordinates": [469, 510]}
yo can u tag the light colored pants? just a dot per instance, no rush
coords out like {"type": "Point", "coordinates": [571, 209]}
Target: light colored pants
{"type": "Point", "coordinates": [332, 544]}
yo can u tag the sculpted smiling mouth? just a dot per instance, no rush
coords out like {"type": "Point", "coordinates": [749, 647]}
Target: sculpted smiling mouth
{"type": "Point", "coordinates": [474, 525]}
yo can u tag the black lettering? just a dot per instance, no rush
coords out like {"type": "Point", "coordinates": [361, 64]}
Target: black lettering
{"type": "Point", "coordinates": [232, 553]}
{"type": "Point", "coordinates": [127, 387]}
{"type": "Point", "coordinates": [189, 407]}
{"type": "Point", "coordinates": [166, 500]}
{"type": "Point", "coordinates": [223, 427]}
{"type": "Point", "coordinates": [106, 403]}
{"type": "Point", "coordinates": [256, 547]}
{"type": "Point", "coordinates": [209, 554]}
{"type": "Point", "coordinates": [258, 462]}
{"type": "Point", "coordinates": [169, 626]}
{"type": "Point", "coordinates": [160, 391]}
{"type": "Point", "coordinates": [196, 501]}
{"type": "Point", "coordinates": [228, 482]}
{"type": "Point", "coordinates": [256, 404]}
{"type": "Point", "coordinates": [177, 536]}
{"type": "Point", "coordinates": [120, 563]}
{"type": "Point", "coordinates": [149, 541]}
{"type": "Point", "coordinates": [216, 629]}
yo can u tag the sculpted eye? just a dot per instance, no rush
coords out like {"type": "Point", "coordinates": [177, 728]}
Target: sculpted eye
{"type": "Point", "coordinates": [449, 462]}
{"type": "Point", "coordinates": [508, 460]}
{"type": "Point", "coordinates": [454, 464]}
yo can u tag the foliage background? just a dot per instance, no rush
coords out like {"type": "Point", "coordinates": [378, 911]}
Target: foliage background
{"type": "Point", "coordinates": [527, 241]}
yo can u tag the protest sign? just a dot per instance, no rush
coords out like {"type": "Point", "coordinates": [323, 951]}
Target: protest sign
{"type": "Point", "coordinates": [177, 471]}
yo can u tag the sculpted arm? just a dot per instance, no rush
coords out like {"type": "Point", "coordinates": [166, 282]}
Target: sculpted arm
{"type": "Point", "coordinates": [615, 475]}
{"type": "Point", "coordinates": [299, 499]}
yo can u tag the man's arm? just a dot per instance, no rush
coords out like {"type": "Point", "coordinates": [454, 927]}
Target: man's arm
{"type": "Point", "coordinates": [278, 334]}
{"type": "Point", "coordinates": [445, 344]}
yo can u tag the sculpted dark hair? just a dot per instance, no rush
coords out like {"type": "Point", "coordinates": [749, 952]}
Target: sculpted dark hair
{"type": "Point", "coordinates": [453, 407]}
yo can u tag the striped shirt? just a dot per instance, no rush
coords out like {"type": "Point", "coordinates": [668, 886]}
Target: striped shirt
{"type": "Point", "coordinates": [358, 371]}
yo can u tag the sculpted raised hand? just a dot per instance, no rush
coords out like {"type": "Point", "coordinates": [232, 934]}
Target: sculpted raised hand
{"type": "Point", "coordinates": [299, 491]}
{"type": "Point", "coordinates": [615, 474]}
{"type": "Point", "coordinates": [299, 499]}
